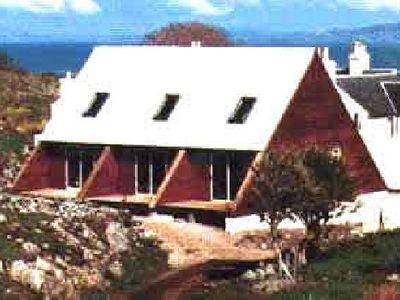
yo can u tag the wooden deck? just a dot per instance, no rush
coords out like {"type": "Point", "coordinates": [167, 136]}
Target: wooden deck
{"type": "Point", "coordinates": [53, 193]}
{"type": "Point", "coordinates": [214, 205]}
{"type": "Point", "coordinates": [129, 199]}
{"type": "Point", "coordinates": [142, 199]}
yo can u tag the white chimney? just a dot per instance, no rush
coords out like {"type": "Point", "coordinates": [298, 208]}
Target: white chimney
{"type": "Point", "coordinates": [359, 59]}
{"type": "Point", "coordinates": [196, 44]}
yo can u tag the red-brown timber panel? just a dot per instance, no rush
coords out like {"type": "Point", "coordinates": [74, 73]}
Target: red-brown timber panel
{"type": "Point", "coordinates": [126, 174]}
{"type": "Point", "coordinates": [44, 169]}
{"type": "Point", "coordinates": [186, 181]}
{"type": "Point", "coordinates": [317, 117]}
{"type": "Point", "coordinates": [104, 177]}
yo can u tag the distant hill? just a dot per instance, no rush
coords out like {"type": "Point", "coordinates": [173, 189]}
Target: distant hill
{"type": "Point", "coordinates": [377, 35]}
{"type": "Point", "coordinates": [383, 41]}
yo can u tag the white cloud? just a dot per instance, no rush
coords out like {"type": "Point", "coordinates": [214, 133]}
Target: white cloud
{"type": "Point", "coordinates": [211, 7]}
{"type": "Point", "coordinates": [45, 6]}
{"type": "Point", "coordinates": [372, 4]}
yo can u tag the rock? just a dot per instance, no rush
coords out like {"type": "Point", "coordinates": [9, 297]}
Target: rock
{"type": "Point", "coordinates": [116, 269]}
{"type": "Point", "coordinates": [249, 275]}
{"type": "Point", "coordinates": [393, 277]}
{"type": "Point", "coordinates": [148, 234]}
{"type": "Point", "coordinates": [19, 240]}
{"type": "Point", "coordinates": [260, 274]}
{"type": "Point", "coordinates": [31, 249]}
{"type": "Point", "coordinates": [3, 218]}
{"type": "Point", "coordinates": [17, 268]}
{"type": "Point", "coordinates": [264, 246]}
{"type": "Point", "coordinates": [270, 270]}
{"type": "Point", "coordinates": [37, 278]}
{"type": "Point", "coordinates": [44, 265]}
{"type": "Point", "coordinates": [59, 261]}
{"type": "Point", "coordinates": [45, 246]}
{"type": "Point", "coordinates": [88, 254]}
{"type": "Point", "coordinates": [22, 273]}
{"type": "Point", "coordinates": [116, 236]}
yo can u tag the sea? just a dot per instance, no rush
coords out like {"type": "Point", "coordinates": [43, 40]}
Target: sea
{"type": "Point", "coordinates": [59, 58]}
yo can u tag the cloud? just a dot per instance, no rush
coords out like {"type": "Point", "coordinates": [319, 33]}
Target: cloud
{"type": "Point", "coordinates": [211, 7]}
{"type": "Point", "coordinates": [47, 6]}
{"type": "Point", "coordinates": [372, 4]}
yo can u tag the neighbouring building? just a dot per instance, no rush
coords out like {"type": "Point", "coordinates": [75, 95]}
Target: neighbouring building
{"type": "Point", "coordinates": [179, 128]}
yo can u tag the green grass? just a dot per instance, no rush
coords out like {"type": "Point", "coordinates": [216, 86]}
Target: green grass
{"type": "Point", "coordinates": [325, 291]}
{"type": "Point", "coordinates": [143, 264]}
{"type": "Point", "coordinates": [362, 257]}
{"type": "Point", "coordinates": [12, 143]}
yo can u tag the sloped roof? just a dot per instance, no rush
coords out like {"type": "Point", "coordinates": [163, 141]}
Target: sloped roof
{"type": "Point", "coordinates": [370, 93]}
{"type": "Point", "coordinates": [210, 82]}
{"type": "Point", "coordinates": [393, 92]}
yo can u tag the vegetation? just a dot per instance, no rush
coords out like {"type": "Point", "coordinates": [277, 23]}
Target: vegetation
{"type": "Point", "coordinates": [308, 184]}
{"type": "Point", "coordinates": [182, 34]}
{"type": "Point", "coordinates": [278, 182]}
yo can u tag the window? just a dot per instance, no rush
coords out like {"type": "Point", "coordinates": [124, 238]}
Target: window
{"type": "Point", "coordinates": [96, 105]}
{"type": "Point", "coordinates": [242, 110]}
{"type": "Point", "coordinates": [335, 151]}
{"type": "Point", "coordinates": [166, 108]}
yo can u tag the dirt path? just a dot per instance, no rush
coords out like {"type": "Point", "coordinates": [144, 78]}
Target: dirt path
{"type": "Point", "coordinates": [192, 243]}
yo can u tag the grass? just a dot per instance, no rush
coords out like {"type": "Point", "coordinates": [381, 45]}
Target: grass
{"type": "Point", "coordinates": [361, 257]}
{"type": "Point", "coordinates": [143, 264]}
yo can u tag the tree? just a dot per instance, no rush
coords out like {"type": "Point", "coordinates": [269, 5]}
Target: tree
{"type": "Point", "coordinates": [182, 34]}
{"type": "Point", "coordinates": [327, 183]}
{"type": "Point", "coordinates": [308, 184]}
{"type": "Point", "coordinates": [277, 184]}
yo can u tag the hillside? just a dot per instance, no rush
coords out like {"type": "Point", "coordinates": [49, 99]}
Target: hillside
{"type": "Point", "coordinates": [377, 35]}
{"type": "Point", "coordinates": [25, 100]}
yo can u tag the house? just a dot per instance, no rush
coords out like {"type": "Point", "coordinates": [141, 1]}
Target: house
{"type": "Point", "coordinates": [179, 128]}
{"type": "Point", "coordinates": [372, 98]}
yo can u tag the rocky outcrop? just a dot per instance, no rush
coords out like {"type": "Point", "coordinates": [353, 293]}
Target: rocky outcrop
{"type": "Point", "coordinates": [64, 246]}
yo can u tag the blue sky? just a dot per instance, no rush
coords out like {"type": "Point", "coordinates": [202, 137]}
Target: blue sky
{"type": "Point", "coordinates": [126, 20]}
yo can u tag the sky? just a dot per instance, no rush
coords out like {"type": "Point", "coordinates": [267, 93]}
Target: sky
{"type": "Point", "coordinates": [129, 20]}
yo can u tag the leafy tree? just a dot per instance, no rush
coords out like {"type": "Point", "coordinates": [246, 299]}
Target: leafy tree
{"type": "Point", "coordinates": [328, 183]}
{"type": "Point", "coordinates": [309, 184]}
{"type": "Point", "coordinates": [182, 34]}
{"type": "Point", "coordinates": [277, 184]}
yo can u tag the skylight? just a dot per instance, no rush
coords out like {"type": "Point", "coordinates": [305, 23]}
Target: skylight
{"type": "Point", "coordinates": [242, 110]}
{"type": "Point", "coordinates": [166, 108]}
{"type": "Point", "coordinates": [96, 105]}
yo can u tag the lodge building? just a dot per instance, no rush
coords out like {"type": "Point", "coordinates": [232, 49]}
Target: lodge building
{"type": "Point", "coordinates": [181, 127]}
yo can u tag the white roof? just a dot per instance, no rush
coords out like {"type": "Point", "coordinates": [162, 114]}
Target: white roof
{"type": "Point", "coordinates": [210, 82]}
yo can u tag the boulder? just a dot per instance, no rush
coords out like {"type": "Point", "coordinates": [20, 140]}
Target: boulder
{"type": "Point", "coordinates": [249, 275]}
{"type": "Point", "coordinates": [31, 249]}
{"type": "Point", "coordinates": [3, 218]}
{"type": "Point", "coordinates": [117, 238]}
{"type": "Point", "coordinates": [37, 278]}
{"type": "Point", "coordinates": [116, 269]}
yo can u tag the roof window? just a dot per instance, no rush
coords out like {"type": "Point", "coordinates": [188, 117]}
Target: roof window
{"type": "Point", "coordinates": [242, 110]}
{"type": "Point", "coordinates": [96, 105]}
{"type": "Point", "coordinates": [166, 108]}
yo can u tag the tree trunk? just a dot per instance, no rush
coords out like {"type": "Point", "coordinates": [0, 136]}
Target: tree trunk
{"type": "Point", "coordinates": [274, 229]}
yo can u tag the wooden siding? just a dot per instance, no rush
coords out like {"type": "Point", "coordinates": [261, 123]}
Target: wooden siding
{"type": "Point", "coordinates": [184, 181]}
{"type": "Point", "coordinates": [317, 117]}
{"type": "Point", "coordinates": [45, 168]}
{"type": "Point", "coordinates": [104, 179]}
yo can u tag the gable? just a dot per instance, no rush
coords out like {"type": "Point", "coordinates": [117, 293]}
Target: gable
{"type": "Point", "coordinates": [316, 116]}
